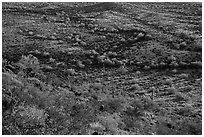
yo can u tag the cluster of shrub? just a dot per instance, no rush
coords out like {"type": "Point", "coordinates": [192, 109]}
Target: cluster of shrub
{"type": "Point", "coordinates": [33, 104]}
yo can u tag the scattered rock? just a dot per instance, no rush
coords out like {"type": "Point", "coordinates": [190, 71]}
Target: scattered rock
{"type": "Point", "coordinates": [125, 61]}
{"type": "Point", "coordinates": [176, 46]}
{"type": "Point", "coordinates": [148, 36]}
{"type": "Point", "coordinates": [97, 126]}
{"type": "Point", "coordinates": [40, 36]}
{"type": "Point", "coordinates": [60, 41]}
{"type": "Point", "coordinates": [122, 70]}
{"type": "Point", "coordinates": [83, 43]}
{"type": "Point", "coordinates": [115, 47]}
{"type": "Point", "coordinates": [47, 68]}
{"type": "Point", "coordinates": [197, 64]}
{"type": "Point", "coordinates": [154, 65]}
{"type": "Point", "coordinates": [111, 54]}
{"type": "Point", "coordinates": [45, 18]}
{"type": "Point", "coordinates": [88, 61]}
{"type": "Point", "coordinates": [60, 64]}
{"type": "Point", "coordinates": [146, 67]}
{"type": "Point", "coordinates": [82, 24]}
{"type": "Point", "coordinates": [171, 90]}
{"type": "Point", "coordinates": [80, 64]}
{"type": "Point", "coordinates": [168, 82]}
{"type": "Point", "coordinates": [162, 64]}
{"type": "Point", "coordinates": [10, 79]}
{"type": "Point", "coordinates": [46, 54]}
{"type": "Point", "coordinates": [138, 72]}
{"type": "Point", "coordinates": [37, 52]}
{"type": "Point", "coordinates": [140, 92]}
{"type": "Point", "coordinates": [132, 62]}
{"type": "Point", "coordinates": [135, 87]}
{"type": "Point", "coordinates": [183, 64]}
{"type": "Point", "coordinates": [103, 37]}
{"type": "Point", "coordinates": [78, 40]}
{"type": "Point", "coordinates": [183, 44]}
{"type": "Point", "coordinates": [9, 68]}
{"type": "Point", "coordinates": [173, 64]}
{"type": "Point", "coordinates": [53, 37]}
{"type": "Point", "coordinates": [133, 81]}
{"type": "Point", "coordinates": [76, 44]}
{"type": "Point", "coordinates": [117, 62]}
{"type": "Point", "coordinates": [94, 52]}
{"type": "Point", "coordinates": [174, 71]}
{"type": "Point", "coordinates": [139, 63]}
{"type": "Point", "coordinates": [140, 35]}
{"type": "Point", "coordinates": [92, 31]}
{"type": "Point", "coordinates": [184, 76]}
{"type": "Point", "coordinates": [51, 60]}
{"type": "Point", "coordinates": [108, 62]}
{"type": "Point", "coordinates": [30, 33]}
{"type": "Point", "coordinates": [122, 40]}
{"type": "Point", "coordinates": [70, 71]}
{"type": "Point", "coordinates": [90, 25]}
{"type": "Point", "coordinates": [101, 58]}
{"type": "Point", "coordinates": [180, 97]}
{"type": "Point", "coordinates": [172, 58]}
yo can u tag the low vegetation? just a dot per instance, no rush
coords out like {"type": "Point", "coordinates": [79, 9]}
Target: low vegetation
{"type": "Point", "coordinates": [101, 69]}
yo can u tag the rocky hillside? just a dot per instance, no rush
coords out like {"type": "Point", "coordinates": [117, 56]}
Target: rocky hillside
{"type": "Point", "coordinates": [102, 68]}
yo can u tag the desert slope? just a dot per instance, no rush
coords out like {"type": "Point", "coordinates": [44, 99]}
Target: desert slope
{"type": "Point", "coordinates": [102, 68]}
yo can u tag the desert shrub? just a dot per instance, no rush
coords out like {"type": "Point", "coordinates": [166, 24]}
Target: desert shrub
{"type": "Point", "coordinates": [180, 97]}
{"type": "Point", "coordinates": [136, 109]}
{"type": "Point", "coordinates": [114, 105]}
{"type": "Point", "coordinates": [97, 126]}
{"type": "Point", "coordinates": [137, 126]}
{"type": "Point", "coordinates": [25, 120]}
{"type": "Point", "coordinates": [171, 90]}
{"type": "Point", "coordinates": [185, 34]}
{"type": "Point", "coordinates": [29, 66]}
{"type": "Point", "coordinates": [30, 116]}
{"type": "Point", "coordinates": [165, 127]}
{"type": "Point", "coordinates": [9, 79]}
{"type": "Point", "coordinates": [184, 126]}
{"type": "Point", "coordinates": [112, 123]}
{"type": "Point", "coordinates": [30, 99]}
{"type": "Point", "coordinates": [191, 127]}
{"type": "Point", "coordinates": [185, 111]}
{"type": "Point", "coordinates": [148, 103]}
